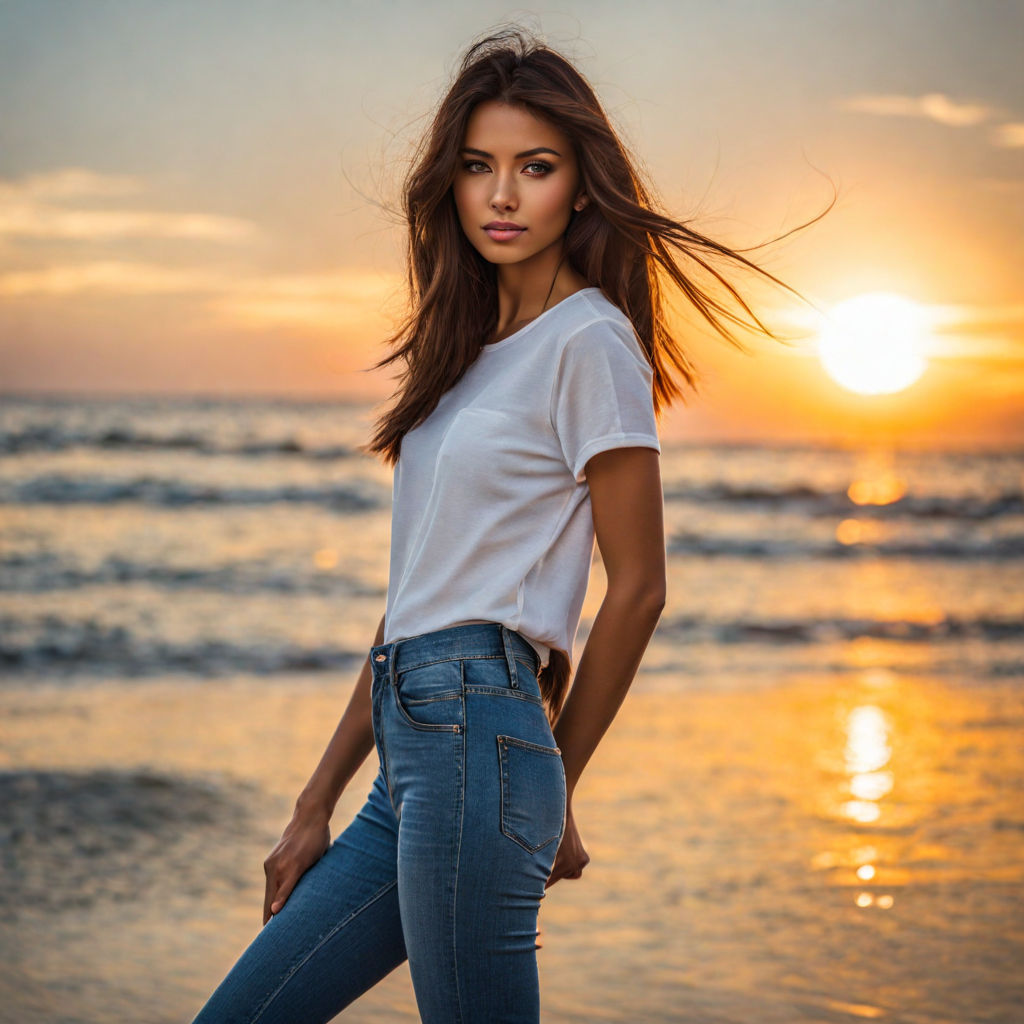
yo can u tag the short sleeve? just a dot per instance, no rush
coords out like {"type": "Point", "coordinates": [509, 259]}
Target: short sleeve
{"type": "Point", "coordinates": [602, 395]}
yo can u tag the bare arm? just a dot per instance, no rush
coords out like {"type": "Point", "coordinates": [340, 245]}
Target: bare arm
{"type": "Point", "coordinates": [347, 749]}
{"type": "Point", "coordinates": [627, 503]}
{"type": "Point", "coordinates": [308, 834]}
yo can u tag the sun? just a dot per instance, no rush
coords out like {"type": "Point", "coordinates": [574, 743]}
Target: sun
{"type": "Point", "coordinates": [874, 344]}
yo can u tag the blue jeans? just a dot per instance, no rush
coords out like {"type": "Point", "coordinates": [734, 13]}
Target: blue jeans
{"type": "Point", "coordinates": [444, 865]}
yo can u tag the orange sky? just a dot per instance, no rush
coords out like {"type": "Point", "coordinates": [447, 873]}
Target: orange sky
{"type": "Point", "coordinates": [195, 211]}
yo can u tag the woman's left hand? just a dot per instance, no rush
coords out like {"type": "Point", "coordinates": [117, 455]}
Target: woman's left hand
{"type": "Point", "coordinates": [571, 858]}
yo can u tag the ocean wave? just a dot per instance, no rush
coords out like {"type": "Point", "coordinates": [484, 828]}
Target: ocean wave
{"type": "Point", "coordinates": [814, 502]}
{"type": "Point", "coordinates": [968, 546]}
{"type": "Point", "coordinates": [62, 489]}
{"type": "Point", "coordinates": [71, 839]}
{"type": "Point", "coordinates": [56, 646]}
{"type": "Point", "coordinates": [43, 571]}
{"type": "Point", "coordinates": [355, 494]}
{"type": "Point", "coordinates": [57, 437]}
{"type": "Point", "coordinates": [60, 646]}
{"type": "Point", "coordinates": [832, 629]}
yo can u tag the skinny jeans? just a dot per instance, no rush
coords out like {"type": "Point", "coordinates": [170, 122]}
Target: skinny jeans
{"type": "Point", "coordinates": [444, 865]}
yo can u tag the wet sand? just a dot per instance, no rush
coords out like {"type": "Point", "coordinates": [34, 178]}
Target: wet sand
{"type": "Point", "coordinates": [821, 849]}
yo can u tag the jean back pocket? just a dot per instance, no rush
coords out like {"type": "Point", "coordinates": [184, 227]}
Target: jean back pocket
{"type": "Point", "coordinates": [532, 792]}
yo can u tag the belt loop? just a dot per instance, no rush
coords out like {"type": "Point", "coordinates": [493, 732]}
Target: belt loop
{"type": "Point", "coordinates": [510, 655]}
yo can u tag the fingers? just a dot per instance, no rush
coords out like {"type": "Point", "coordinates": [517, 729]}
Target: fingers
{"type": "Point", "coordinates": [283, 892]}
{"type": "Point", "coordinates": [278, 889]}
{"type": "Point", "coordinates": [567, 867]}
{"type": "Point", "coordinates": [571, 858]}
{"type": "Point", "coordinates": [275, 888]}
{"type": "Point", "coordinates": [268, 898]}
{"type": "Point", "coordinates": [303, 843]}
{"type": "Point", "coordinates": [558, 874]}
{"type": "Point", "coordinates": [272, 901]}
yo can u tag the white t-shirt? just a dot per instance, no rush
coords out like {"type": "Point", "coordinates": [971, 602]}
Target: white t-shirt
{"type": "Point", "coordinates": [491, 514]}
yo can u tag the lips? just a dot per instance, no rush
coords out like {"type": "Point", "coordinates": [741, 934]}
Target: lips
{"type": "Point", "coordinates": [503, 231]}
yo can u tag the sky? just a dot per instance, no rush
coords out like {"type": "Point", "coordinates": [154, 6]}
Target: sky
{"type": "Point", "coordinates": [201, 197]}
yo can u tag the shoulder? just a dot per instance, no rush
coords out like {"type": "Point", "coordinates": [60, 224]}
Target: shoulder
{"type": "Point", "coordinates": [596, 326]}
{"type": "Point", "coordinates": [595, 306]}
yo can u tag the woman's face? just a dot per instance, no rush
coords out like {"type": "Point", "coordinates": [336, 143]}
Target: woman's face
{"type": "Point", "coordinates": [515, 168]}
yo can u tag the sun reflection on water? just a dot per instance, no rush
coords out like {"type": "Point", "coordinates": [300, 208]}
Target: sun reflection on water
{"type": "Point", "coordinates": [865, 756]}
{"type": "Point", "coordinates": [867, 751]}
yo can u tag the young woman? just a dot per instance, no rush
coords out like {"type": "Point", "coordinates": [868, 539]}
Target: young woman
{"type": "Point", "coordinates": [536, 362]}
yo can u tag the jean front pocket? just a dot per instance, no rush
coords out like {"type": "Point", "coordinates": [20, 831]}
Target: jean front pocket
{"type": "Point", "coordinates": [429, 697]}
{"type": "Point", "coordinates": [532, 792]}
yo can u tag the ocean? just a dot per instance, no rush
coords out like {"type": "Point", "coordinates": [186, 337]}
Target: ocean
{"type": "Point", "coordinates": [810, 807]}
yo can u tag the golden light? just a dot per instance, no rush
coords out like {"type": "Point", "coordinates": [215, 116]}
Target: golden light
{"type": "Point", "coordinates": [325, 559]}
{"type": "Point", "coordinates": [853, 531]}
{"type": "Point", "coordinates": [874, 344]}
{"type": "Point", "coordinates": [883, 489]}
{"type": "Point", "coordinates": [867, 752]}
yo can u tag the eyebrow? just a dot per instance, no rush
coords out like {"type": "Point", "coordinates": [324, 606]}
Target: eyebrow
{"type": "Point", "coordinates": [519, 156]}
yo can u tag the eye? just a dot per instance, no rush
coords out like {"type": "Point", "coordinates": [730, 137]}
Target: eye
{"type": "Point", "coordinates": [541, 167]}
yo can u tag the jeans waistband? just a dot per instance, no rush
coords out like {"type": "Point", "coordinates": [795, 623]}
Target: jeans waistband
{"type": "Point", "coordinates": [469, 640]}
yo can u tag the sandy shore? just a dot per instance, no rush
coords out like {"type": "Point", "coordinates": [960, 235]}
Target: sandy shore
{"type": "Point", "coordinates": [821, 850]}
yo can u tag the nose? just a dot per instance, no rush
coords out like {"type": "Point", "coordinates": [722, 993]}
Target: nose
{"type": "Point", "coordinates": [504, 195]}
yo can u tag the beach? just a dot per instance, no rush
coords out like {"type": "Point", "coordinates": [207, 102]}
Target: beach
{"type": "Point", "coordinates": [808, 809]}
{"type": "Point", "coordinates": [724, 877]}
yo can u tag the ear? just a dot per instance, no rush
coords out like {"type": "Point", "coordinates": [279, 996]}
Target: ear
{"type": "Point", "coordinates": [581, 201]}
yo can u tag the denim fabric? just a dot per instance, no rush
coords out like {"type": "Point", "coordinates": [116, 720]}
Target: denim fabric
{"type": "Point", "coordinates": [445, 863]}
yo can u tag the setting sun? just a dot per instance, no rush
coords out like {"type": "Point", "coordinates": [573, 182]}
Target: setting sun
{"type": "Point", "coordinates": [873, 344]}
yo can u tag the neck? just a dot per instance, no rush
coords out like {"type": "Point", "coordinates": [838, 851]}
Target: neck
{"type": "Point", "coordinates": [523, 294]}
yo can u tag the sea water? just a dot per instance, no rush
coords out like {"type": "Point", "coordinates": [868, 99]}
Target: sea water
{"type": "Point", "coordinates": [808, 809]}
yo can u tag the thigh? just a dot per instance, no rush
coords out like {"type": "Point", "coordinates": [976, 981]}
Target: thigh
{"type": "Point", "coordinates": [482, 813]}
{"type": "Point", "coordinates": [338, 934]}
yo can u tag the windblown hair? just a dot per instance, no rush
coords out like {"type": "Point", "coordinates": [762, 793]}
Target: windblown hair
{"type": "Point", "coordinates": [619, 242]}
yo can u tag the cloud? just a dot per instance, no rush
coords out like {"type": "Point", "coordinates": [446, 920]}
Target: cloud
{"type": "Point", "coordinates": [956, 318]}
{"type": "Point", "coordinates": [31, 208]}
{"type": "Point", "coordinates": [111, 276]}
{"type": "Point", "coordinates": [27, 220]}
{"type": "Point", "coordinates": [1009, 136]}
{"type": "Point", "coordinates": [933, 106]}
{"type": "Point", "coordinates": [43, 206]}
{"type": "Point", "coordinates": [955, 331]}
{"type": "Point", "coordinates": [328, 300]}
{"type": "Point", "coordinates": [70, 182]}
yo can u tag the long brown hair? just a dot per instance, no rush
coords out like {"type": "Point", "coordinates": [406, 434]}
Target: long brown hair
{"type": "Point", "coordinates": [618, 242]}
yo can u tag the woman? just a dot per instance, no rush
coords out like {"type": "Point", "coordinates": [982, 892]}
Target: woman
{"type": "Point", "coordinates": [536, 362]}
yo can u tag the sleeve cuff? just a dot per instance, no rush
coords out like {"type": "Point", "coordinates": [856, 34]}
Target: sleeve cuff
{"type": "Point", "coordinates": [608, 442]}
